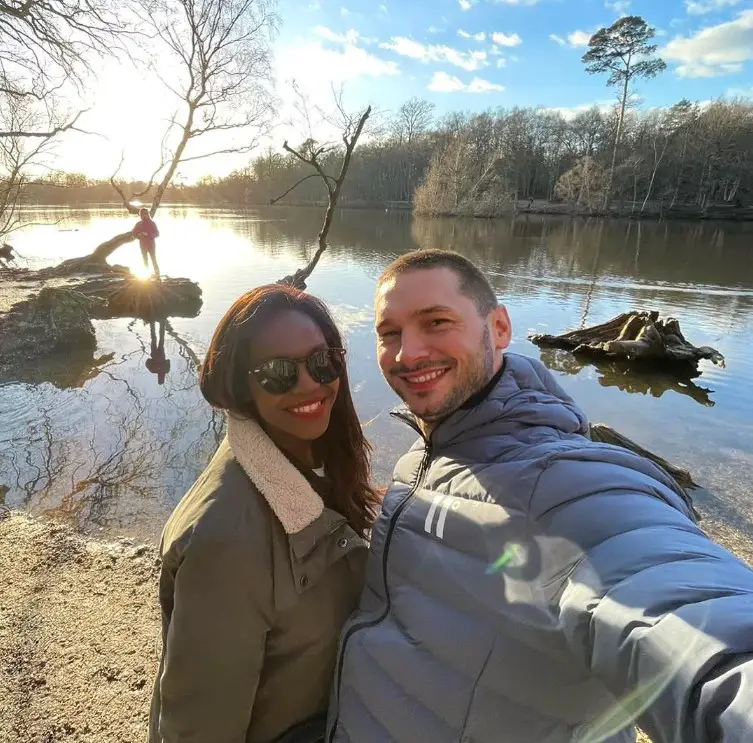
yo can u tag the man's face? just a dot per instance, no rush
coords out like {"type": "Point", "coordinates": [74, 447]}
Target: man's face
{"type": "Point", "coordinates": [434, 348]}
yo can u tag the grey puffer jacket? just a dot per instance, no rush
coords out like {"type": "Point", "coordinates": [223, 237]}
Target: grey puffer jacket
{"type": "Point", "coordinates": [522, 579]}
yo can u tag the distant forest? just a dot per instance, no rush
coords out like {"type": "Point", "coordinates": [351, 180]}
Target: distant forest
{"type": "Point", "coordinates": [688, 155]}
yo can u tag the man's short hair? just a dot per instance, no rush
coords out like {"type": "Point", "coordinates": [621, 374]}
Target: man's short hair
{"type": "Point", "coordinates": [473, 283]}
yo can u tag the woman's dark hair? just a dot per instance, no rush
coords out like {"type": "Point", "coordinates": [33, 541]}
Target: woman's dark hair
{"type": "Point", "coordinates": [224, 383]}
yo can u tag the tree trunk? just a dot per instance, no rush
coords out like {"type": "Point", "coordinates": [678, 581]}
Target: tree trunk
{"type": "Point", "coordinates": [623, 103]}
{"type": "Point", "coordinates": [103, 251]}
{"type": "Point", "coordinates": [637, 337]}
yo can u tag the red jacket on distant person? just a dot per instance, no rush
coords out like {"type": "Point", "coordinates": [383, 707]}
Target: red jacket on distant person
{"type": "Point", "coordinates": [146, 231]}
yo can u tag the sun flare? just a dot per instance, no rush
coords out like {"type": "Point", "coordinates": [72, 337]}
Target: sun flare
{"type": "Point", "coordinates": [141, 272]}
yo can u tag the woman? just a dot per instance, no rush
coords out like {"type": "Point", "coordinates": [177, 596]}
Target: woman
{"type": "Point", "coordinates": [147, 233]}
{"type": "Point", "coordinates": [263, 558]}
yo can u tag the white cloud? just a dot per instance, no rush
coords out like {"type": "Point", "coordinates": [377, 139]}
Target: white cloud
{"type": "Point", "coordinates": [406, 47]}
{"type": "Point", "coordinates": [575, 39]}
{"type": "Point", "coordinates": [506, 39]}
{"type": "Point", "coordinates": [383, 10]}
{"type": "Point", "coordinates": [349, 37]}
{"type": "Point", "coordinates": [579, 38]}
{"type": "Point", "coordinates": [344, 12]}
{"type": "Point", "coordinates": [740, 92]}
{"type": "Point", "coordinates": [314, 6]}
{"type": "Point", "coordinates": [466, 4]}
{"type": "Point", "coordinates": [480, 36]}
{"type": "Point", "coordinates": [478, 85]}
{"type": "Point", "coordinates": [444, 83]}
{"type": "Point", "coordinates": [516, 2]}
{"type": "Point", "coordinates": [714, 51]}
{"type": "Point", "coordinates": [441, 82]}
{"type": "Point", "coordinates": [501, 62]}
{"type": "Point", "coordinates": [325, 66]}
{"type": "Point", "coordinates": [620, 7]}
{"type": "Point", "coordinates": [570, 112]}
{"type": "Point", "coordinates": [433, 30]}
{"type": "Point", "coordinates": [702, 7]}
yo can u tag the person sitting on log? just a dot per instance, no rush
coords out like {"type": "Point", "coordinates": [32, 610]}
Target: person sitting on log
{"type": "Point", "coordinates": [147, 233]}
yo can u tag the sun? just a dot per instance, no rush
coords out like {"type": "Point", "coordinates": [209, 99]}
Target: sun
{"type": "Point", "coordinates": [141, 272]}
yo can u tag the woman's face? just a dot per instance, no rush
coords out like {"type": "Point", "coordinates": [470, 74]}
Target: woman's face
{"type": "Point", "coordinates": [304, 411]}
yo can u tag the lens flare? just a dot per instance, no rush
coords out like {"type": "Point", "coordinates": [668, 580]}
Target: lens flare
{"type": "Point", "coordinates": [511, 556]}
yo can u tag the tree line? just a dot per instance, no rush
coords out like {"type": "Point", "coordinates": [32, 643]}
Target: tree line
{"type": "Point", "coordinates": [688, 158]}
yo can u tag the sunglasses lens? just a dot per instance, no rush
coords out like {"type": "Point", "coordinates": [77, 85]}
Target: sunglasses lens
{"type": "Point", "coordinates": [325, 366]}
{"type": "Point", "coordinates": [277, 376]}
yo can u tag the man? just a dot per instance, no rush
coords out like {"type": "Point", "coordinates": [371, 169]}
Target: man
{"type": "Point", "coordinates": [147, 233]}
{"type": "Point", "coordinates": [525, 584]}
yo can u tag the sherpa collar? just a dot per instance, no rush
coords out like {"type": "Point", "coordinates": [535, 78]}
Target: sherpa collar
{"type": "Point", "coordinates": [290, 496]}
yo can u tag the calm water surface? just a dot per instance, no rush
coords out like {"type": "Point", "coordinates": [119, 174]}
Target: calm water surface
{"type": "Point", "coordinates": [103, 445]}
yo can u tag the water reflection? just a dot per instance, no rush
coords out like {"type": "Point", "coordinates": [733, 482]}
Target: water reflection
{"type": "Point", "coordinates": [157, 363]}
{"type": "Point", "coordinates": [116, 452]}
{"type": "Point", "coordinates": [648, 381]}
{"type": "Point", "coordinates": [113, 439]}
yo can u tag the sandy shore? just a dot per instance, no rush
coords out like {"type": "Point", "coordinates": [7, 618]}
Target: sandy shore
{"type": "Point", "coordinates": [79, 633]}
{"type": "Point", "coordinates": [79, 636]}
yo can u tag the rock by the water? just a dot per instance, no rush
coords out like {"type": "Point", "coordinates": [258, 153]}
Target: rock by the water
{"type": "Point", "coordinates": [41, 329]}
{"type": "Point", "coordinates": [54, 321]}
{"type": "Point", "coordinates": [152, 299]}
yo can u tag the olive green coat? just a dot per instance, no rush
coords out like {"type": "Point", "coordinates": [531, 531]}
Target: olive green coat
{"type": "Point", "coordinates": [257, 580]}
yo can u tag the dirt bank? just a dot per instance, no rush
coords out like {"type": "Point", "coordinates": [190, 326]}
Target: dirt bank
{"type": "Point", "coordinates": [79, 633]}
{"type": "Point", "coordinates": [79, 636]}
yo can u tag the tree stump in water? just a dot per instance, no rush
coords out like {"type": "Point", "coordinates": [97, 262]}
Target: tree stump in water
{"type": "Point", "coordinates": [636, 337]}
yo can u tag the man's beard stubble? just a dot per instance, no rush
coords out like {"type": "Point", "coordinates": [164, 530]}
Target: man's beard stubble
{"type": "Point", "coordinates": [479, 373]}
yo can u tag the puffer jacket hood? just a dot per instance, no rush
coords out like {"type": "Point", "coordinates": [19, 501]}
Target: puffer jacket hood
{"type": "Point", "coordinates": [522, 579]}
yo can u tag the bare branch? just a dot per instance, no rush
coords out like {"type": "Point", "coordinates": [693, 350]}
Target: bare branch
{"type": "Point", "coordinates": [293, 187]}
{"type": "Point", "coordinates": [71, 125]}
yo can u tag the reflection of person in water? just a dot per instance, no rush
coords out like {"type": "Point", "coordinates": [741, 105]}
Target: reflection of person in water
{"type": "Point", "coordinates": [157, 363]}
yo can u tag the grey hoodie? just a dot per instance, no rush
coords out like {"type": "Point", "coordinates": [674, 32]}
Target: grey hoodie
{"type": "Point", "coordinates": [522, 579]}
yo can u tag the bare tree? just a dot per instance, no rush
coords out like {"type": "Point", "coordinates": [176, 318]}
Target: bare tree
{"type": "Point", "coordinates": [18, 154]}
{"type": "Point", "coordinates": [47, 46]}
{"type": "Point", "coordinates": [622, 50]}
{"type": "Point", "coordinates": [412, 119]}
{"type": "Point", "coordinates": [47, 49]}
{"type": "Point", "coordinates": [312, 153]}
{"type": "Point", "coordinates": [223, 49]}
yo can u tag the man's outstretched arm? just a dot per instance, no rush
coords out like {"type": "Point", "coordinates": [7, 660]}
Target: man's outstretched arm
{"type": "Point", "coordinates": [655, 609]}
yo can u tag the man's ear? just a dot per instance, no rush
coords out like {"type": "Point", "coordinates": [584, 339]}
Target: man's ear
{"type": "Point", "coordinates": [501, 328]}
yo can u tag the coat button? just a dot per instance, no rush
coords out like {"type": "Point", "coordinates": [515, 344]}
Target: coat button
{"type": "Point", "coordinates": [304, 581]}
{"type": "Point", "coordinates": [343, 543]}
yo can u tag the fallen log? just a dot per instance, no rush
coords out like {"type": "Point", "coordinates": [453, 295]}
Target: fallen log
{"type": "Point", "coordinates": [637, 337]}
{"type": "Point", "coordinates": [604, 434]}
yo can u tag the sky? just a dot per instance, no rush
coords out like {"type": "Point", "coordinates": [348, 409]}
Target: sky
{"type": "Point", "coordinates": [458, 54]}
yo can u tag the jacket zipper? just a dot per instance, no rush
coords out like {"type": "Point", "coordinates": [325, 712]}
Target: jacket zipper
{"type": "Point", "coordinates": [385, 557]}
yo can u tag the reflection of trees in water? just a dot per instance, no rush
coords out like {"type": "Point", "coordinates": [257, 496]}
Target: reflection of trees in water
{"type": "Point", "coordinates": [139, 453]}
{"type": "Point", "coordinates": [673, 253]}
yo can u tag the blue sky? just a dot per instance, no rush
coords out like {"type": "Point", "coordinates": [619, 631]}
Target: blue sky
{"type": "Point", "coordinates": [459, 54]}
{"type": "Point", "coordinates": [476, 54]}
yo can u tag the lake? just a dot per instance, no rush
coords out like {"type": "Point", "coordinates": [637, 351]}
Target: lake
{"type": "Point", "coordinates": [106, 447]}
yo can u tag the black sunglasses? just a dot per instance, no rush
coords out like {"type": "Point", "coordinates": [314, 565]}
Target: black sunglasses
{"type": "Point", "coordinates": [278, 376]}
